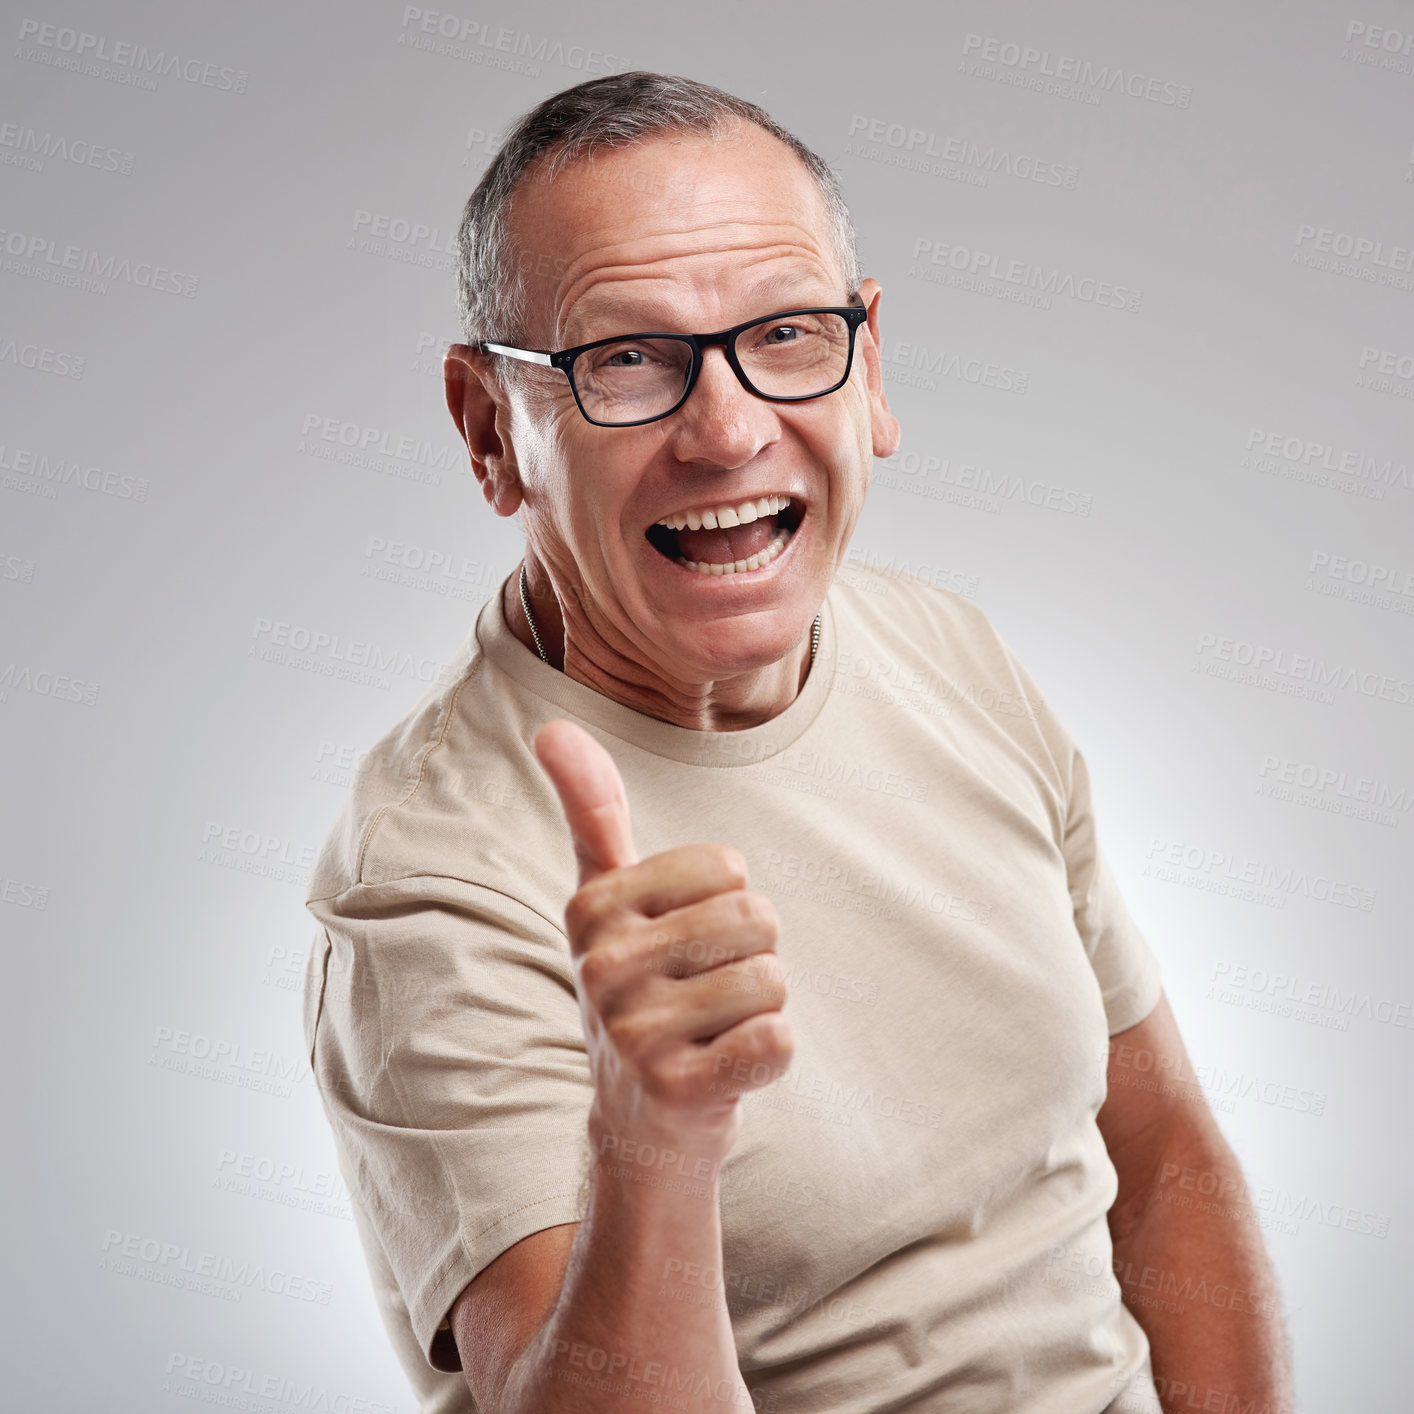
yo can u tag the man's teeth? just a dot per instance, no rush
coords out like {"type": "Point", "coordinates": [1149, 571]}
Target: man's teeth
{"type": "Point", "coordinates": [773, 548]}
{"type": "Point", "coordinates": [724, 517]}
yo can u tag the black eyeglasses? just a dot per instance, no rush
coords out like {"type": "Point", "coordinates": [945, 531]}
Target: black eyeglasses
{"type": "Point", "coordinates": [631, 379]}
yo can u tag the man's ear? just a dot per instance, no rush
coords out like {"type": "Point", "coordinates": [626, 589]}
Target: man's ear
{"type": "Point", "coordinates": [479, 408]}
{"type": "Point", "coordinates": [883, 423]}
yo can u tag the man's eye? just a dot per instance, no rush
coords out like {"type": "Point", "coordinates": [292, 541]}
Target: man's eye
{"type": "Point", "coordinates": [781, 334]}
{"type": "Point", "coordinates": [625, 358]}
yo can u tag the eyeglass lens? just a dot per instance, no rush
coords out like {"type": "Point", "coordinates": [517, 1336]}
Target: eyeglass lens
{"type": "Point", "coordinates": [799, 356]}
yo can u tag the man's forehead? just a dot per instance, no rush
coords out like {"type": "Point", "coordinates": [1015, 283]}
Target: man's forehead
{"type": "Point", "coordinates": [741, 208]}
{"type": "Point", "coordinates": [758, 283]}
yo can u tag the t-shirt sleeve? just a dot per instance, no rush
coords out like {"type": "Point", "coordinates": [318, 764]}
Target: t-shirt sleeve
{"type": "Point", "coordinates": [1124, 963]}
{"type": "Point", "coordinates": [450, 1059]}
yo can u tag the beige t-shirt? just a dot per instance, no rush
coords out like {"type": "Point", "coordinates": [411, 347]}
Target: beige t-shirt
{"type": "Point", "coordinates": [914, 1215]}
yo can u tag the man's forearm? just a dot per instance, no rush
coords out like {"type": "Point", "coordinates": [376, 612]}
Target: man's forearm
{"type": "Point", "coordinates": [1196, 1275]}
{"type": "Point", "coordinates": [641, 1318]}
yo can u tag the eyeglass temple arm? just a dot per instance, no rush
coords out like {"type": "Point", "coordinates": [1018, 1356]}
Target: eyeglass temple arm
{"type": "Point", "coordinates": [525, 355]}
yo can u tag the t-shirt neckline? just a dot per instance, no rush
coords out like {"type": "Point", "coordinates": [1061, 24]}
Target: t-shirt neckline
{"type": "Point", "coordinates": [697, 748]}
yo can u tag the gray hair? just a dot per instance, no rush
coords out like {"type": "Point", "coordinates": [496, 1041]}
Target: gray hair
{"type": "Point", "coordinates": [615, 111]}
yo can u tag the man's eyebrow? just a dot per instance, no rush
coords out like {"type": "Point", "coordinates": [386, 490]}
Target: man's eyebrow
{"type": "Point", "coordinates": [630, 315]}
{"type": "Point", "coordinates": [784, 284]}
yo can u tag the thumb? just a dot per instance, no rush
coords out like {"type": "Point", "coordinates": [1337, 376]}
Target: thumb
{"type": "Point", "coordinates": [592, 794]}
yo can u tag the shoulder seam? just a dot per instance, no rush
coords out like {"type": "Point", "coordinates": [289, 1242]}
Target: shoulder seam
{"type": "Point", "coordinates": [455, 878]}
{"type": "Point", "coordinates": [421, 771]}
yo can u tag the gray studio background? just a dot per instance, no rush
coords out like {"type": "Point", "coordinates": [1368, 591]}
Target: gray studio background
{"type": "Point", "coordinates": [1149, 328]}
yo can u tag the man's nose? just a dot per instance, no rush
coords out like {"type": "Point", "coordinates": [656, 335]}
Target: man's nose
{"type": "Point", "coordinates": [722, 422]}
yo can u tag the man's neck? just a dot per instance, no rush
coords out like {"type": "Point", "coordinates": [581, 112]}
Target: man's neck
{"type": "Point", "coordinates": [728, 704]}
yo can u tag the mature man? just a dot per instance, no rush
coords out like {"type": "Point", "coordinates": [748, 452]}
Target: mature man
{"type": "Point", "coordinates": [826, 1085]}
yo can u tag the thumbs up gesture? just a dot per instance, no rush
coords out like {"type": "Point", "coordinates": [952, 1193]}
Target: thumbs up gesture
{"type": "Point", "coordinates": [680, 987]}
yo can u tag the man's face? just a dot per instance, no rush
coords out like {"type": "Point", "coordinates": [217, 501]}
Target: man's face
{"type": "Point", "coordinates": [681, 235]}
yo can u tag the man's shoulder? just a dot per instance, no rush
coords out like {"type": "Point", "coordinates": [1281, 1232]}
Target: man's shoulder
{"type": "Point", "coordinates": [908, 633]}
{"type": "Point", "coordinates": [929, 610]}
{"type": "Point", "coordinates": [456, 770]}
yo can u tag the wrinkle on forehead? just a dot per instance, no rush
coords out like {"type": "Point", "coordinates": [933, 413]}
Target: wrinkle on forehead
{"type": "Point", "coordinates": [758, 204]}
{"type": "Point", "coordinates": [606, 282]}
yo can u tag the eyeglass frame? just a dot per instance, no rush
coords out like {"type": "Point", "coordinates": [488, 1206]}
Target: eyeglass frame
{"type": "Point", "coordinates": [853, 314]}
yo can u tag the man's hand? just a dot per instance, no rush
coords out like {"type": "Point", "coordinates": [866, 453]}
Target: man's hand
{"type": "Point", "coordinates": [674, 962]}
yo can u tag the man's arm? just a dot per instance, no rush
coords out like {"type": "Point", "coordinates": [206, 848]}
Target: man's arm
{"type": "Point", "coordinates": [679, 984]}
{"type": "Point", "coordinates": [1187, 1248]}
{"type": "Point", "coordinates": [619, 1311]}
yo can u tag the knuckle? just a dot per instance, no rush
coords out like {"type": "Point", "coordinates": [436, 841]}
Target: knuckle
{"type": "Point", "coordinates": [769, 1030]}
{"type": "Point", "coordinates": [771, 990]}
{"type": "Point", "coordinates": [732, 862]}
{"type": "Point", "coordinates": [600, 967]}
{"type": "Point", "coordinates": [779, 1036]}
{"type": "Point", "coordinates": [629, 1035]}
{"type": "Point", "coordinates": [757, 912]}
{"type": "Point", "coordinates": [668, 1084]}
{"type": "Point", "coordinates": [770, 965]}
{"type": "Point", "coordinates": [771, 973]}
{"type": "Point", "coordinates": [583, 910]}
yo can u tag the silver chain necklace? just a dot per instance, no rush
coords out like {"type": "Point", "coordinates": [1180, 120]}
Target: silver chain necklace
{"type": "Point", "coordinates": [540, 647]}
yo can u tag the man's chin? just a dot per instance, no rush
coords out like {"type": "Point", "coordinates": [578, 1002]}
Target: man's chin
{"type": "Point", "coordinates": [731, 644]}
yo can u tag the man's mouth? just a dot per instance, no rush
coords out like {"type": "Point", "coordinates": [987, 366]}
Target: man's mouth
{"type": "Point", "coordinates": [732, 538]}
